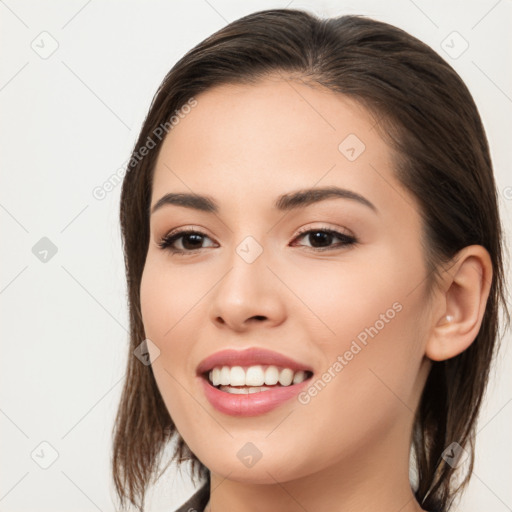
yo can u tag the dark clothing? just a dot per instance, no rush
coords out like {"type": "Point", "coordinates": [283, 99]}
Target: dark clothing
{"type": "Point", "coordinates": [198, 500]}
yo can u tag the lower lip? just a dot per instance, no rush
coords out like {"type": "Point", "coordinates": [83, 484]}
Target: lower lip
{"type": "Point", "coordinates": [250, 404]}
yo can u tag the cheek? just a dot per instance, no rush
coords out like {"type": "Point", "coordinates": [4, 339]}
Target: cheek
{"type": "Point", "coordinates": [344, 298]}
{"type": "Point", "coordinates": [167, 297]}
{"type": "Point", "coordinates": [151, 302]}
{"type": "Point", "coordinates": [366, 387]}
{"type": "Point", "coordinates": [170, 309]}
{"type": "Point", "coordinates": [369, 313]}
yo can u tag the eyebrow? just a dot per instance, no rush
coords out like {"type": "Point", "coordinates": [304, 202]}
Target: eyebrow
{"type": "Point", "coordinates": [285, 202]}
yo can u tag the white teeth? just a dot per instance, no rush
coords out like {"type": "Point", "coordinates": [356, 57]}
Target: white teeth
{"type": "Point", "coordinates": [215, 375]}
{"type": "Point", "coordinates": [271, 375]}
{"type": "Point", "coordinates": [224, 377]}
{"type": "Point", "coordinates": [237, 377]}
{"type": "Point", "coordinates": [243, 391]}
{"type": "Point", "coordinates": [286, 377]}
{"type": "Point", "coordinates": [299, 377]}
{"type": "Point", "coordinates": [255, 376]}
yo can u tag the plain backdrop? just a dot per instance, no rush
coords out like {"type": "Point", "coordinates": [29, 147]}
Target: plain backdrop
{"type": "Point", "coordinates": [76, 80]}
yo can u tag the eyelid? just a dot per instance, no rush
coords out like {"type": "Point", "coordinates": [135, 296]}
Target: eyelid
{"type": "Point", "coordinates": [162, 242]}
{"type": "Point", "coordinates": [342, 231]}
{"type": "Point", "coordinates": [192, 227]}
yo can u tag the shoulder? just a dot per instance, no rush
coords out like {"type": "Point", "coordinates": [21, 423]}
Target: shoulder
{"type": "Point", "coordinates": [197, 501]}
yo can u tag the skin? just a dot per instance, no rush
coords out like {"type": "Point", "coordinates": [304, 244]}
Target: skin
{"type": "Point", "coordinates": [348, 448]}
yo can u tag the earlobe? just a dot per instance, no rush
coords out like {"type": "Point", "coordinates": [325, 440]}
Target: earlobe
{"type": "Point", "coordinates": [467, 285]}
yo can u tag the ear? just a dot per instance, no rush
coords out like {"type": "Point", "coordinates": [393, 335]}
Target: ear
{"type": "Point", "coordinates": [466, 286]}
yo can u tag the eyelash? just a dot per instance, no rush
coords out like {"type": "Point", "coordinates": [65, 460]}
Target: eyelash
{"type": "Point", "coordinates": [166, 241]}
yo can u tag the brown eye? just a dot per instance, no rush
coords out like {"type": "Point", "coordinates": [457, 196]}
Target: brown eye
{"type": "Point", "coordinates": [321, 239]}
{"type": "Point", "coordinates": [190, 241]}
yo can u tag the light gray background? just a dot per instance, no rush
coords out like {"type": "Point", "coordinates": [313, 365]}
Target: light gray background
{"type": "Point", "coordinates": [69, 121]}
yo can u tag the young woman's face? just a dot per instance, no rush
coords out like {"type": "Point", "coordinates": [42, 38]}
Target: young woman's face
{"type": "Point", "coordinates": [349, 305]}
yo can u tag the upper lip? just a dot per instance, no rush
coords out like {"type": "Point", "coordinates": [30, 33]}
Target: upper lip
{"type": "Point", "coordinates": [249, 357]}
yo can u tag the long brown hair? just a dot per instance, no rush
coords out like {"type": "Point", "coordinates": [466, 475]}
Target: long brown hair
{"type": "Point", "coordinates": [429, 118]}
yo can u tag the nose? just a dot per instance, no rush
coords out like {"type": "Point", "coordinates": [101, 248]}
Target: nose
{"type": "Point", "coordinates": [247, 296]}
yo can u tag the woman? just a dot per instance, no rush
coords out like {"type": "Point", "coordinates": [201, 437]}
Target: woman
{"type": "Point", "coordinates": [314, 261]}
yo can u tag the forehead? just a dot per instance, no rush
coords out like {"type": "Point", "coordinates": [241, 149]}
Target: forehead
{"type": "Point", "coordinates": [275, 111]}
{"type": "Point", "coordinates": [264, 139]}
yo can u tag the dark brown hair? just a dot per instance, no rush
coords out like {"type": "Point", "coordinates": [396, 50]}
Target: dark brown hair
{"type": "Point", "coordinates": [428, 117]}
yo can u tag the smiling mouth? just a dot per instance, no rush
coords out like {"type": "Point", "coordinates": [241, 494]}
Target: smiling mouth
{"type": "Point", "coordinates": [284, 382]}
